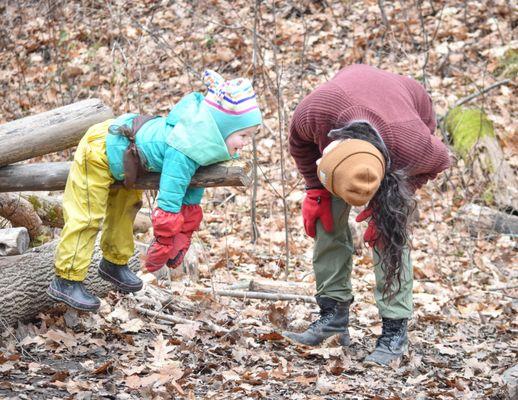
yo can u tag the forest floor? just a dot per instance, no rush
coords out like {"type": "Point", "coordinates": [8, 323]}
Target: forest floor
{"type": "Point", "coordinates": [143, 56]}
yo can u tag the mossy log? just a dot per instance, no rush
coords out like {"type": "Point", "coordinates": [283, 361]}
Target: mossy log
{"type": "Point", "coordinates": [24, 280]}
{"type": "Point", "coordinates": [475, 142]}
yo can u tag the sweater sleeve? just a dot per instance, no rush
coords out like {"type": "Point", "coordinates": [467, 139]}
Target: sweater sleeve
{"type": "Point", "coordinates": [314, 117]}
{"type": "Point", "coordinates": [304, 152]}
{"type": "Point", "coordinates": [177, 172]}
{"type": "Point", "coordinates": [193, 196]}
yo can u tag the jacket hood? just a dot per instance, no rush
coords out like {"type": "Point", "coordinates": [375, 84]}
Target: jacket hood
{"type": "Point", "coordinates": [195, 133]}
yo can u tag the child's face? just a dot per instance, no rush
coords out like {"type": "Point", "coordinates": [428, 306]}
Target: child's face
{"type": "Point", "coordinates": [239, 139]}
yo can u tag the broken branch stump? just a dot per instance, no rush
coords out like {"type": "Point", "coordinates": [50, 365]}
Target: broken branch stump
{"type": "Point", "coordinates": [50, 131]}
{"type": "Point", "coordinates": [20, 212]}
{"type": "Point", "coordinates": [14, 241]}
{"type": "Point", "coordinates": [53, 176]}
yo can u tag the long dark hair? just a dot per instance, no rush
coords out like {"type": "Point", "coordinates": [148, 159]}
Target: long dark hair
{"type": "Point", "coordinates": [391, 207]}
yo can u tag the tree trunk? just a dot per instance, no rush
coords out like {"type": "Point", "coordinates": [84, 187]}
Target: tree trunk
{"type": "Point", "coordinates": [24, 280]}
{"type": "Point", "coordinates": [20, 212]}
{"type": "Point", "coordinates": [484, 219]}
{"type": "Point", "coordinates": [50, 131]}
{"type": "Point", "coordinates": [53, 176]}
{"type": "Point", "coordinates": [13, 241]}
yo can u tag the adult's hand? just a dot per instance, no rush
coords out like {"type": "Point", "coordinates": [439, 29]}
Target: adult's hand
{"type": "Point", "coordinates": [317, 206]}
{"type": "Point", "coordinates": [371, 235]}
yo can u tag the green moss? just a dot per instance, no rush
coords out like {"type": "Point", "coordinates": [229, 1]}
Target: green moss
{"type": "Point", "coordinates": [466, 126]}
{"type": "Point", "coordinates": [35, 202]}
{"type": "Point", "coordinates": [488, 196]}
{"type": "Point", "coordinates": [52, 216]}
{"type": "Point", "coordinates": [508, 65]}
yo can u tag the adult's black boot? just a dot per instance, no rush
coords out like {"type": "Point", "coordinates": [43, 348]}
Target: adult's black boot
{"type": "Point", "coordinates": [73, 293]}
{"type": "Point", "coordinates": [334, 320]}
{"type": "Point", "coordinates": [392, 344]}
{"type": "Point", "coordinates": [123, 278]}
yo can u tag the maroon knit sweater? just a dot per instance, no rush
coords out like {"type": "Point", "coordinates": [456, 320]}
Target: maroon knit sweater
{"type": "Point", "coordinates": [397, 107]}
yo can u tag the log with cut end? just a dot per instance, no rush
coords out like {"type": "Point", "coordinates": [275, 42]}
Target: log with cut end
{"type": "Point", "coordinates": [50, 131]}
{"type": "Point", "coordinates": [25, 278]}
{"type": "Point", "coordinates": [480, 219]}
{"type": "Point", "coordinates": [53, 176]}
{"type": "Point", "coordinates": [14, 241]}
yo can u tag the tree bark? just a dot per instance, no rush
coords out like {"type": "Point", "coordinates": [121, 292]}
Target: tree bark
{"type": "Point", "coordinates": [48, 208]}
{"type": "Point", "coordinates": [50, 131]}
{"type": "Point", "coordinates": [20, 212]}
{"type": "Point", "coordinates": [53, 176]}
{"type": "Point", "coordinates": [481, 219]}
{"type": "Point", "coordinates": [24, 281]}
{"type": "Point", "coordinates": [13, 241]}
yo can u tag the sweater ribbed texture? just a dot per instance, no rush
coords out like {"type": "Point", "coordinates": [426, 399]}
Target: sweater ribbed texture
{"type": "Point", "coordinates": [398, 107]}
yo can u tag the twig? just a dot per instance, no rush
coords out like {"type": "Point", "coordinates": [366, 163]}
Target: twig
{"type": "Point", "coordinates": [383, 14]}
{"type": "Point", "coordinates": [466, 100]}
{"type": "Point", "coordinates": [483, 91]}
{"type": "Point", "coordinates": [496, 288]}
{"type": "Point", "coordinates": [166, 317]}
{"type": "Point", "coordinates": [281, 125]}
{"type": "Point", "coordinates": [425, 39]}
{"type": "Point", "coordinates": [258, 295]}
{"type": "Point", "coordinates": [253, 206]}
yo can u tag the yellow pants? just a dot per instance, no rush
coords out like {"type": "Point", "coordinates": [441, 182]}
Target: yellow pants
{"type": "Point", "coordinates": [88, 200]}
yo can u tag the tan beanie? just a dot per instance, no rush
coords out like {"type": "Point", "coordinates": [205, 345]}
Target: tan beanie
{"type": "Point", "coordinates": [353, 170]}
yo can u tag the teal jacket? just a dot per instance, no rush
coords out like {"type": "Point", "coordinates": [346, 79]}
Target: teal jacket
{"type": "Point", "coordinates": [175, 146]}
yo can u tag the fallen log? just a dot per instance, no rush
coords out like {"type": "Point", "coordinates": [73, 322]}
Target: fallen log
{"type": "Point", "coordinates": [25, 278]}
{"type": "Point", "coordinates": [53, 176]}
{"type": "Point", "coordinates": [50, 131]}
{"type": "Point", "coordinates": [480, 219]}
{"type": "Point", "coordinates": [14, 241]}
{"type": "Point", "coordinates": [48, 208]}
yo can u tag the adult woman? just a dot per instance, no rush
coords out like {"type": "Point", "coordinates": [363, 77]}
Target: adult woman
{"type": "Point", "coordinates": [373, 132]}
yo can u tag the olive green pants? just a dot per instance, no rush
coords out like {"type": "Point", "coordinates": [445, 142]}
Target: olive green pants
{"type": "Point", "coordinates": [332, 263]}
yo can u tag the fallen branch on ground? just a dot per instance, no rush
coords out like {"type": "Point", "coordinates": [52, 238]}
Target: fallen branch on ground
{"type": "Point", "coordinates": [177, 320]}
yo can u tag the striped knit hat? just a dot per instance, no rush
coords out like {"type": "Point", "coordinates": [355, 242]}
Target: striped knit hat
{"type": "Point", "coordinates": [232, 104]}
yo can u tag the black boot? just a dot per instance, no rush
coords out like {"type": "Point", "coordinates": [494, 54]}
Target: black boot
{"type": "Point", "coordinates": [392, 343]}
{"type": "Point", "coordinates": [73, 293]}
{"type": "Point", "coordinates": [121, 276]}
{"type": "Point", "coordinates": [334, 320]}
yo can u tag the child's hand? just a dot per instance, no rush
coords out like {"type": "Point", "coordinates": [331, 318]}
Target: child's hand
{"type": "Point", "coordinates": [181, 243]}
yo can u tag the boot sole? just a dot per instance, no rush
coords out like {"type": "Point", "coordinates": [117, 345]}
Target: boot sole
{"type": "Point", "coordinates": [370, 363]}
{"type": "Point", "coordinates": [60, 297]}
{"type": "Point", "coordinates": [118, 284]}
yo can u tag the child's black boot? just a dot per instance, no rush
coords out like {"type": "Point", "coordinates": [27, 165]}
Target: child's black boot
{"type": "Point", "coordinates": [73, 293]}
{"type": "Point", "coordinates": [334, 320]}
{"type": "Point", "coordinates": [121, 276]}
{"type": "Point", "coordinates": [392, 343]}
